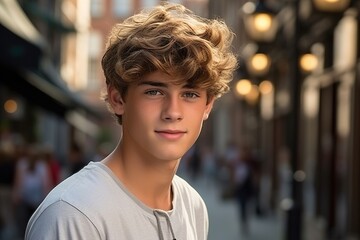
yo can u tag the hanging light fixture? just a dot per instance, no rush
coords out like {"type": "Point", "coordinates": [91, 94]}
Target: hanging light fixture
{"type": "Point", "coordinates": [260, 21]}
{"type": "Point", "coordinates": [331, 5]}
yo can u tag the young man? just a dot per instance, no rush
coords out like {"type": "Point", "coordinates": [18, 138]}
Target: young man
{"type": "Point", "coordinates": [164, 69]}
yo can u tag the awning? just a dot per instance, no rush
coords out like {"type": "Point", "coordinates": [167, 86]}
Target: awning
{"type": "Point", "coordinates": [45, 90]}
{"type": "Point", "coordinates": [25, 70]}
{"type": "Point", "coordinates": [36, 90]}
{"type": "Point", "coordinates": [37, 11]}
{"type": "Point", "coordinates": [78, 113]}
{"type": "Point", "coordinates": [42, 91]}
{"type": "Point", "coordinates": [51, 74]}
{"type": "Point", "coordinates": [21, 44]}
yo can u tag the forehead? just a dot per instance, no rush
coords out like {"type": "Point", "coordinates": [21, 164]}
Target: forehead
{"type": "Point", "coordinates": [162, 77]}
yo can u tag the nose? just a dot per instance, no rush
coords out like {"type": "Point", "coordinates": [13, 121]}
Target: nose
{"type": "Point", "coordinates": [172, 109]}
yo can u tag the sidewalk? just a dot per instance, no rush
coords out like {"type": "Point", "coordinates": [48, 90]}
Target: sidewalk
{"type": "Point", "coordinates": [224, 223]}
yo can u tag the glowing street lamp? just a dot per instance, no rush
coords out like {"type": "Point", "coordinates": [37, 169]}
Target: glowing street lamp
{"type": "Point", "coordinates": [260, 21]}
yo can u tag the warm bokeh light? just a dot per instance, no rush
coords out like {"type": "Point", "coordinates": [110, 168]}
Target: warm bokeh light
{"type": "Point", "coordinates": [266, 87]}
{"type": "Point", "coordinates": [260, 62]}
{"type": "Point", "coordinates": [10, 106]}
{"type": "Point", "coordinates": [243, 87]}
{"type": "Point", "coordinates": [253, 96]}
{"type": "Point", "coordinates": [308, 62]}
{"type": "Point", "coordinates": [262, 22]}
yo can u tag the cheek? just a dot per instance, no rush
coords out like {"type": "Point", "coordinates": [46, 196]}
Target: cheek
{"type": "Point", "coordinates": [149, 111]}
{"type": "Point", "coordinates": [142, 114]}
{"type": "Point", "coordinates": [195, 121]}
{"type": "Point", "coordinates": [197, 114]}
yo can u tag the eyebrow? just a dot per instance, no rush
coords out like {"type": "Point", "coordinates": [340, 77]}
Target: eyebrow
{"type": "Point", "coordinates": [153, 83]}
{"type": "Point", "coordinates": [161, 84]}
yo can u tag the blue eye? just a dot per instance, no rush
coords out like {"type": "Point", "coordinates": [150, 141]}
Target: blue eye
{"type": "Point", "coordinates": [191, 95]}
{"type": "Point", "coordinates": [153, 92]}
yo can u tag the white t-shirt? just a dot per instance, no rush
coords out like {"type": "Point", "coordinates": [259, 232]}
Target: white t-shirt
{"type": "Point", "coordinates": [94, 204]}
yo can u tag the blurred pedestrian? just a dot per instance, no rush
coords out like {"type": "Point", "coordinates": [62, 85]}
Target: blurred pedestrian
{"type": "Point", "coordinates": [7, 176]}
{"type": "Point", "coordinates": [209, 164]}
{"type": "Point", "coordinates": [164, 68]}
{"type": "Point", "coordinates": [53, 165]}
{"type": "Point", "coordinates": [31, 185]}
{"type": "Point", "coordinates": [226, 173]}
{"type": "Point", "coordinates": [195, 163]}
{"type": "Point", "coordinates": [244, 185]}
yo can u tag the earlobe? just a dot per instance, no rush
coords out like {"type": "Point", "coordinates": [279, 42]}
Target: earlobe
{"type": "Point", "coordinates": [209, 107]}
{"type": "Point", "coordinates": [206, 116]}
{"type": "Point", "coordinates": [115, 100]}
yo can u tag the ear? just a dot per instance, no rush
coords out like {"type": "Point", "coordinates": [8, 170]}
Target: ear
{"type": "Point", "coordinates": [115, 100]}
{"type": "Point", "coordinates": [208, 108]}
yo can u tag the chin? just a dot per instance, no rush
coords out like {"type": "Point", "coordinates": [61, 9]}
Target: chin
{"type": "Point", "coordinates": [168, 156]}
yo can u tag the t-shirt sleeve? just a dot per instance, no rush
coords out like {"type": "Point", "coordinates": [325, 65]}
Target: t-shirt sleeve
{"type": "Point", "coordinates": [60, 221]}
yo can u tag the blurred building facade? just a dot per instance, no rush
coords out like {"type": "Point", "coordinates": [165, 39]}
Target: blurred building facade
{"type": "Point", "coordinates": [306, 128]}
{"type": "Point", "coordinates": [39, 98]}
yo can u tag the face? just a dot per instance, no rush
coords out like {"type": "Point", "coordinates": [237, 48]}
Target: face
{"type": "Point", "coordinates": [161, 120]}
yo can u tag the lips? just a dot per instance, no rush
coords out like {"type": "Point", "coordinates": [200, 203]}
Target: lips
{"type": "Point", "coordinates": [170, 134]}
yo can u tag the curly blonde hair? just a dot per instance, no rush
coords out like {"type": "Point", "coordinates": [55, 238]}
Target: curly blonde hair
{"type": "Point", "coordinates": [174, 40]}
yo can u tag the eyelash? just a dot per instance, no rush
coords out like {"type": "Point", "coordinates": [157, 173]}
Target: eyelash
{"type": "Point", "coordinates": [193, 94]}
{"type": "Point", "coordinates": [190, 95]}
{"type": "Point", "coordinates": [153, 92]}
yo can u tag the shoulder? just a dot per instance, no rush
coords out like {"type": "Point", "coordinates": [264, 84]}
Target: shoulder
{"type": "Point", "coordinates": [89, 186]}
{"type": "Point", "coordinates": [58, 221]}
{"type": "Point", "coordinates": [87, 190]}
{"type": "Point", "coordinates": [83, 200]}
{"type": "Point", "coordinates": [184, 192]}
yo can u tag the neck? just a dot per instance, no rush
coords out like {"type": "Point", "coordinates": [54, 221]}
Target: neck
{"type": "Point", "coordinates": [148, 179]}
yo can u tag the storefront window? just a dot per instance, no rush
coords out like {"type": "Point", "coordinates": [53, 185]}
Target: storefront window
{"type": "Point", "coordinates": [97, 8]}
{"type": "Point", "coordinates": [122, 8]}
{"type": "Point", "coordinates": [149, 3]}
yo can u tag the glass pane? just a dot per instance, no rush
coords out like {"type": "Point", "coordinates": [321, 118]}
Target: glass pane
{"type": "Point", "coordinates": [122, 8]}
{"type": "Point", "coordinates": [97, 8]}
{"type": "Point", "coordinates": [149, 3]}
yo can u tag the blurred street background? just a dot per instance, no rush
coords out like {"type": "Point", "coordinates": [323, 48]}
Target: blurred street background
{"type": "Point", "coordinates": [279, 156]}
